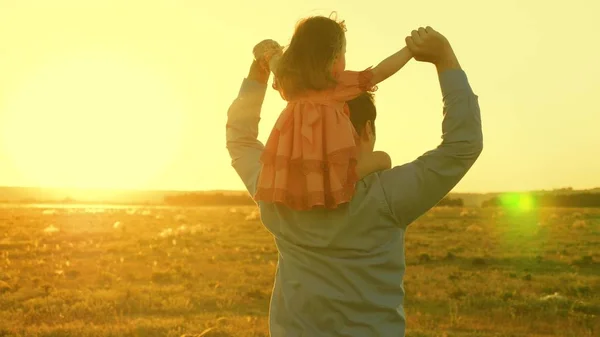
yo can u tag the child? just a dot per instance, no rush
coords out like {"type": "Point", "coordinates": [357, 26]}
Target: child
{"type": "Point", "coordinates": [310, 158]}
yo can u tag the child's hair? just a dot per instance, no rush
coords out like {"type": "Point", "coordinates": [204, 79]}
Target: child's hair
{"type": "Point", "coordinates": [307, 62]}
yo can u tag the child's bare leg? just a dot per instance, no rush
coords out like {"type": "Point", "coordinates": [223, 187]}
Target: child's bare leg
{"type": "Point", "coordinates": [373, 162]}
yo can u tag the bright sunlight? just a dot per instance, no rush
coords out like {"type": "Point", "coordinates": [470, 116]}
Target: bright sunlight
{"type": "Point", "coordinates": [92, 120]}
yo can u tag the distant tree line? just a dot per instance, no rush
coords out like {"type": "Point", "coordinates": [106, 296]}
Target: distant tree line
{"type": "Point", "coordinates": [202, 199]}
{"type": "Point", "coordinates": [451, 202]}
{"type": "Point", "coordinates": [583, 200]}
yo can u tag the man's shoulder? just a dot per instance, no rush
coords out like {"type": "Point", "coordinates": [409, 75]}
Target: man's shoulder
{"type": "Point", "coordinates": [370, 193]}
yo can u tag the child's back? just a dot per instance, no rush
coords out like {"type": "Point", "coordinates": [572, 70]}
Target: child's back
{"type": "Point", "coordinates": [310, 158]}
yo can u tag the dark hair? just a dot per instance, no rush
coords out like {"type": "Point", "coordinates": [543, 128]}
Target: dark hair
{"type": "Point", "coordinates": [362, 109]}
{"type": "Point", "coordinates": [307, 62]}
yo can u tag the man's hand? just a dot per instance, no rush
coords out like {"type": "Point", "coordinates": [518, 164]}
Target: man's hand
{"type": "Point", "coordinates": [427, 45]}
{"type": "Point", "coordinates": [259, 72]}
{"type": "Point", "coordinates": [263, 51]}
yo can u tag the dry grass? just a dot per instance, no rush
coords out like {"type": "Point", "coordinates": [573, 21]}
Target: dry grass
{"type": "Point", "coordinates": [121, 272]}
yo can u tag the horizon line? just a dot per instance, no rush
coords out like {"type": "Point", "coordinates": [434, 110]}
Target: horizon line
{"type": "Point", "coordinates": [241, 190]}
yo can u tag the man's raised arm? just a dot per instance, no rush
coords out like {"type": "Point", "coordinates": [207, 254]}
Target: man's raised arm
{"type": "Point", "coordinates": [412, 189]}
{"type": "Point", "coordinates": [242, 126]}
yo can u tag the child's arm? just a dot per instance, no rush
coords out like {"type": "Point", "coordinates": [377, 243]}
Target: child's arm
{"type": "Point", "coordinates": [273, 62]}
{"type": "Point", "coordinates": [391, 65]}
{"type": "Point", "coordinates": [373, 162]}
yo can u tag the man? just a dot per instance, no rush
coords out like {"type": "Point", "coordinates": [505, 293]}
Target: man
{"type": "Point", "coordinates": [340, 271]}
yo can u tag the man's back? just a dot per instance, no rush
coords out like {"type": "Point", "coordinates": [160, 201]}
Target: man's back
{"type": "Point", "coordinates": [339, 271]}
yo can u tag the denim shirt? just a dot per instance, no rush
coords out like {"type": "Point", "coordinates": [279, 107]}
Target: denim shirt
{"type": "Point", "coordinates": [340, 272]}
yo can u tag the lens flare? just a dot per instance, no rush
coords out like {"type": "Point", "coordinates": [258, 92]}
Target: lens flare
{"type": "Point", "coordinates": [521, 227]}
{"type": "Point", "coordinates": [518, 202]}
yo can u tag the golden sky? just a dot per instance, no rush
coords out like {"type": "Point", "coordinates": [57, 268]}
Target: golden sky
{"type": "Point", "coordinates": [133, 94]}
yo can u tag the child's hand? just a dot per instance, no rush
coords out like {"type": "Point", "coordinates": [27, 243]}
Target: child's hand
{"type": "Point", "coordinates": [266, 49]}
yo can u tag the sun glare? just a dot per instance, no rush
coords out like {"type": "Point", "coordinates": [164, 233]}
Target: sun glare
{"type": "Point", "coordinates": [92, 121]}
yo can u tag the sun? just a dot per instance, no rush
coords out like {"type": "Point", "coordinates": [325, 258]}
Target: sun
{"type": "Point", "coordinates": [92, 121]}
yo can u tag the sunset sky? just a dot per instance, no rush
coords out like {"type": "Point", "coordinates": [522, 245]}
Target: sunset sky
{"type": "Point", "coordinates": [134, 94]}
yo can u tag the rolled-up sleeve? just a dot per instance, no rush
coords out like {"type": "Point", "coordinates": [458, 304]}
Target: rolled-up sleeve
{"type": "Point", "coordinates": [412, 189]}
{"type": "Point", "coordinates": [243, 145]}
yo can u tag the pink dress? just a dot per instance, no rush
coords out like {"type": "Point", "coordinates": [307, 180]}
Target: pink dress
{"type": "Point", "coordinates": [310, 157]}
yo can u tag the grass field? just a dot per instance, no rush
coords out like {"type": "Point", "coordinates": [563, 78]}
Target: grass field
{"type": "Point", "coordinates": [122, 272]}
